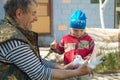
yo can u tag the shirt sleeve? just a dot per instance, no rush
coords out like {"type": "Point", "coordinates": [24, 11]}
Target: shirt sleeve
{"type": "Point", "coordinates": [48, 63]}
{"type": "Point", "coordinates": [22, 56]}
{"type": "Point", "coordinates": [91, 46]}
{"type": "Point", "coordinates": [60, 47]}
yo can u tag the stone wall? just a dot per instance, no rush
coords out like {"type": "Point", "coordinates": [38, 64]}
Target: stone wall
{"type": "Point", "coordinates": [108, 39]}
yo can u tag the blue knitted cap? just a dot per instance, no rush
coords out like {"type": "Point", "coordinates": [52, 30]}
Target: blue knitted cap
{"type": "Point", "coordinates": [78, 20]}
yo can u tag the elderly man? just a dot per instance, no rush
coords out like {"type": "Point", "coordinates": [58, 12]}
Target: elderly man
{"type": "Point", "coordinates": [19, 54]}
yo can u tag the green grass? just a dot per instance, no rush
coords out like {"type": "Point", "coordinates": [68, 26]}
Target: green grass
{"type": "Point", "coordinates": [110, 63]}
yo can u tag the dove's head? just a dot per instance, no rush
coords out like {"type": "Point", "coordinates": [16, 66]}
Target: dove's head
{"type": "Point", "coordinates": [79, 57]}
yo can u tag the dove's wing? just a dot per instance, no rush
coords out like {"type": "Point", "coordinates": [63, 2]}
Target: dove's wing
{"type": "Point", "coordinates": [92, 62]}
{"type": "Point", "coordinates": [93, 56]}
{"type": "Point", "coordinates": [94, 59]}
{"type": "Point", "coordinates": [98, 59]}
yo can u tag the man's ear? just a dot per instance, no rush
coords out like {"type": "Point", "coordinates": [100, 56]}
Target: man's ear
{"type": "Point", "coordinates": [19, 13]}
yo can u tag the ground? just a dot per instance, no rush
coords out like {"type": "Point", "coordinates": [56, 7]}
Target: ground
{"type": "Point", "coordinates": [109, 76]}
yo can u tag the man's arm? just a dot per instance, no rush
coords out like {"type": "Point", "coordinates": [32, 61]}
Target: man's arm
{"type": "Point", "coordinates": [21, 55]}
{"type": "Point", "coordinates": [63, 74]}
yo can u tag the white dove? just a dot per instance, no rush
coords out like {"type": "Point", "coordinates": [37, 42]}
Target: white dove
{"type": "Point", "coordinates": [93, 61]}
{"type": "Point", "coordinates": [78, 60]}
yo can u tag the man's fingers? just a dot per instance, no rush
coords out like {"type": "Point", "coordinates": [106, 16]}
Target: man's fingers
{"type": "Point", "coordinates": [91, 73]}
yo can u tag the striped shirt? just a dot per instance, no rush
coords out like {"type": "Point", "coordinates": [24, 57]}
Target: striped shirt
{"type": "Point", "coordinates": [20, 54]}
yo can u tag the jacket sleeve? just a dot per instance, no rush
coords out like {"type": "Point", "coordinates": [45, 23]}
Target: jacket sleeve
{"type": "Point", "coordinates": [91, 46]}
{"type": "Point", "coordinates": [60, 47]}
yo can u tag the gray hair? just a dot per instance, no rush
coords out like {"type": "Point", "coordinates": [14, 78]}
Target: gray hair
{"type": "Point", "coordinates": [12, 5]}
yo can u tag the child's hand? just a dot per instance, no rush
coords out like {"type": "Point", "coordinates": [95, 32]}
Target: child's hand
{"type": "Point", "coordinates": [87, 57]}
{"type": "Point", "coordinates": [53, 45]}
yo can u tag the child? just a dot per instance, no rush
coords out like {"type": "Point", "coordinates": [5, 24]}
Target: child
{"type": "Point", "coordinates": [78, 42]}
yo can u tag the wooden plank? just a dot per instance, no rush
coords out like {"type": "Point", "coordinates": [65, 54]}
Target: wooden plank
{"type": "Point", "coordinates": [62, 27]}
{"type": "Point", "coordinates": [42, 10]}
{"type": "Point", "coordinates": [42, 25]}
{"type": "Point", "coordinates": [43, 1]}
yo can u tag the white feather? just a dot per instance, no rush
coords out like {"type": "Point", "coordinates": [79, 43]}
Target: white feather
{"type": "Point", "coordinates": [93, 61]}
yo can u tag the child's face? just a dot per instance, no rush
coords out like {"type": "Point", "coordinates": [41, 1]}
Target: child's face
{"type": "Point", "coordinates": [76, 32]}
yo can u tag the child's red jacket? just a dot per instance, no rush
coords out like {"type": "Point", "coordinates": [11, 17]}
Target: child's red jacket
{"type": "Point", "coordinates": [72, 46]}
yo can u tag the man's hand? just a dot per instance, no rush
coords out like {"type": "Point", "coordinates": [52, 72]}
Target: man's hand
{"type": "Point", "coordinates": [84, 69]}
{"type": "Point", "coordinates": [87, 57]}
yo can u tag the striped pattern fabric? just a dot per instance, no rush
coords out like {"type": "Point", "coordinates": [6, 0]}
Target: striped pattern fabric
{"type": "Point", "coordinates": [20, 54]}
